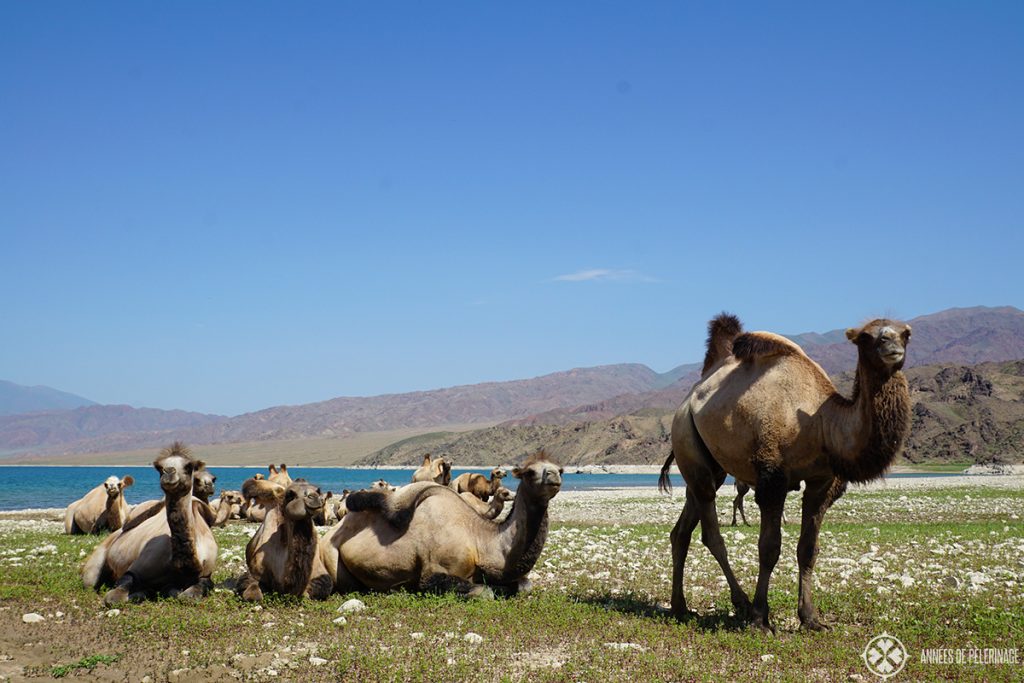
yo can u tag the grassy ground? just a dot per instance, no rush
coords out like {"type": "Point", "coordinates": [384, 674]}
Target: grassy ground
{"type": "Point", "coordinates": [938, 568]}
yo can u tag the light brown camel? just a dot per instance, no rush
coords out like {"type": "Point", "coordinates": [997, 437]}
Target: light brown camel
{"type": "Point", "coordinates": [492, 509]}
{"type": "Point", "coordinates": [171, 552]}
{"type": "Point", "coordinates": [438, 470]}
{"type": "Point", "coordinates": [766, 413]}
{"type": "Point", "coordinates": [103, 508]}
{"type": "Point", "coordinates": [425, 537]}
{"type": "Point", "coordinates": [234, 502]}
{"type": "Point", "coordinates": [282, 555]}
{"type": "Point", "coordinates": [742, 489]}
{"type": "Point", "coordinates": [279, 475]}
{"type": "Point", "coordinates": [478, 484]}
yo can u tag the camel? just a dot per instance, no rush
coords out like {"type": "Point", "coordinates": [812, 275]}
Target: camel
{"type": "Point", "coordinates": [102, 508]}
{"type": "Point", "coordinates": [171, 551]}
{"type": "Point", "coordinates": [742, 489]}
{"type": "Point", "coordinates": [283, 555]}
{"type": "Point", "coordinates": [326, 515]}
{"type": "Point", "coordinates": [489, 510]}
{"type": "Point", "coordinates": [425, 537]}
{"type": "Point", "coordinates": [478, 484]}
{"type": "Point", "coordinates": [234, 502]}
{"type": "Point", "coordinates": [438, 471]}
{"type": "Point", "coordinates": [279, 475]}
{"type": "Point", "coordinates": [766, 413]}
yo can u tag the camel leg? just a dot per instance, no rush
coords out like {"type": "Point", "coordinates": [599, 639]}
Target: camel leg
{"type": "Point", "coordinates": [681, 536]}
{"type": "Point", "coordinates": [121, 592]}
{"type": "Point", "coordinates": [771, 497]}
{"type": "Point", "coordinates": [446, 583]}
{"type": "Point", "coordinates": [711, 536]}
{"type": "Point", "coordinates": [737, 503]}
{"type": "Point", "coordinates": [320, 587]}
{"type": "Point", "coordinates": [196, 591]}
{"type": "Point", "coordinates": [818, 498]}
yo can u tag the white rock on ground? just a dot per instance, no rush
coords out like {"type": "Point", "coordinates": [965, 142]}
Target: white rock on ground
{"type": "Point", "coordinates": [473, 638]}
{"type": "Point", "coordinates": [112, 612]}
{"type": "Point", "coordinates": [353, 605]}
{"type": "Point", "coordinates": [32, 618]}
{"type": "Point", "coordinates": [341, 621]}
{"type": "Point", "coordinates": [317, 661]}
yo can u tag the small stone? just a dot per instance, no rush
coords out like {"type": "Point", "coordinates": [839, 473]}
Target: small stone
{"type": "Point", "coordinates": [951, 581]}
{"type": "Point", "coordinates": [739, 536]}
{"type": "Point", "coordinates": [767, 658]}
{"type": "Point", "coordinates": [32, 618]}
{"type": "Point", "coordinates": [146, 679]}
{"type": "Point", "coordinates": [112, 612]}
{"type": "Point", "coordinates": [270, 672]}
{"type": "Point", "coordinates": [58, 614]}
{"type": "Point", "coordinates": [625, 646]}
{"type": "Point", "coordinates": [418, 635]}
{"type": "Point", "coordinates": [341, 621]}
{"type": "Point", "coordinates": [257, 608]}
{"type": "Point", "coordinates": [353, 605]}
{"type": "Point", "coordinates": [473, 638]}
{"type": "Point", "coordinates": [317, 661]}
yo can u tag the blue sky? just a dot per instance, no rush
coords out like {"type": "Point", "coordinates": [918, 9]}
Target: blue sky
{"type": "Point", "coordinates": [227, 206]}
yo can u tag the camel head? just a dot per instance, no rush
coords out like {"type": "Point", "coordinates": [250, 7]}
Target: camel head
{"type": "Point", "coordinates": [503, 494]}
{"type": "Point", "coordinates": [498, 473]}
{"type": "Point", "coordinates": [176, 467]}
{"type": "Point", "coordinates": [114, 486]}
{"type": "Point", "coordinates": [298, 501]}
{"type": "Point", "coordinates": [882, 343]}
{"type": "Point", "coordinates": [382, 485]}
{"type": "Point", "coordinates": [539, 477]}
{"type": "Point", "coordinates": [202, 483]}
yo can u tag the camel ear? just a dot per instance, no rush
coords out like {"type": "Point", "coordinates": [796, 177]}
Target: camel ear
{"type": "Point", "coordinates": [517, 473]}
{"type": "Point", "coordinates": [200, 465]}
{"type": "Point", "coordinates": [127, 481]}
{"type": "Point", "coordinates": [851, 334]}
{"type": "Point", "coordinates": [426, 459]}
{"type": "Point", "coordinates": [906, 334]}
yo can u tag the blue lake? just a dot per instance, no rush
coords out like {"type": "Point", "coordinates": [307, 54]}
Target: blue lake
{"type": "Point", "coordinates": [56, 487]}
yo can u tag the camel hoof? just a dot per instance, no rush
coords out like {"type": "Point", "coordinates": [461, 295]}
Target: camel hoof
{"type": "Point", "coordinates": [252, 593]}
{"type": "Point", "coordinates": [815, 625]}
{"type": "Point", "coordinates": [191, 594]}
{"type": "Point", "coordinates": [115, 596]}
{"type": "Point", "coordinates": [762, 627]}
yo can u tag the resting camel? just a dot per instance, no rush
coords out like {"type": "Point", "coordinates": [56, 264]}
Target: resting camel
{"type": "Point", "coordinates": [737, 502]}
{"type": "Point", "coordinates": [425, 537]}
{"type": "Point", "coordinates": [171, 551]}
{"type": "Point", "coordinates": [282, 555]}
{"type": "Point", "coordinates": [478, 484]}
{"type": "Point", "coordinates": [766, 413]}
{"type": "Point", "coordinates": [489, 510]}
{"type": "Point", "coordinates": [438, 471]}
{"type": "Point", "coordinates": [234, 502]}
{"type": "Point", "coordinates": [103, 508]}
{"type": "Point", "coordinates": [326, 516]}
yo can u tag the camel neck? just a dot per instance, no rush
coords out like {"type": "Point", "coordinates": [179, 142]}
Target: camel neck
{"type": "Point", "coordinates": [302, 546]}
{"type": "Point", "coordinates": [181, 521]}
{"type": "Point", "coordinates": [114, 508]}
{"type": "Point", "coordinates": [869, 429]}
{"type": "Point", "coordinates": [525, 532]}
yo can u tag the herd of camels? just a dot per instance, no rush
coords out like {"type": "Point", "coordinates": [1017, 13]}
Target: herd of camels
{"type": "Point", "coordinates": [762, 411]}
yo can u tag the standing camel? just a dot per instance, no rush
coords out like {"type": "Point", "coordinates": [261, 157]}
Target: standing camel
{"type": "Point", "coordinates": [766, 413]}
{"type": "Point", "coordinates": [170, 550]}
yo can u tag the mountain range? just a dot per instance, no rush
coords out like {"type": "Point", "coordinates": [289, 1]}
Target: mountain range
{"type": "Point", "coordinates": [627, 399]}
{"type": "Point", "coordinates": [15, 399]}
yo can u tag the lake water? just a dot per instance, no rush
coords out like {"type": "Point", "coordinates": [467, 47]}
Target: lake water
{"type": "Point", "coordinates": [56, 487]}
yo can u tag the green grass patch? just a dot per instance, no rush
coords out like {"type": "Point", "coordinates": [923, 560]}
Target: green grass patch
{"type": "Point", "coordinates": [89, 663]}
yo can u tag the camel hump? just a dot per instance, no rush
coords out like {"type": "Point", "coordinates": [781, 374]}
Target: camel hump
{"type": "Point", "coordinates": [751, 345]}
{"type": "Point", "coordinates": [722, 330]}
{"type": "Point", "coordinates": [399, 507]}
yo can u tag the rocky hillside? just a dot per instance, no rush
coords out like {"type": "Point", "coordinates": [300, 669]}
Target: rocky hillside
{"type": "Point", "coordinates": [960, 413]}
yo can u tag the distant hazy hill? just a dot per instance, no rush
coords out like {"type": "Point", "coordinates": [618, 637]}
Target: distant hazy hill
{"type": "Point", "coordinates": [122, 427]}
{"type": "Point", "coordinates": [94, 428]}
{"type": "Point", "coordinates": [960, 413]}
{"type": "Point", "coordinates": [15, 398]}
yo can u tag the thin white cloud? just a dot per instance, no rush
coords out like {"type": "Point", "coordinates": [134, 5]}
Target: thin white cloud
{"type": "Point", "coordinates": [604, 275]}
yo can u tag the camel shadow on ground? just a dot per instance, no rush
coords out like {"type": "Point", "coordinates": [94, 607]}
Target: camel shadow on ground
{"type": "Point", "coordinates": [642, 606]}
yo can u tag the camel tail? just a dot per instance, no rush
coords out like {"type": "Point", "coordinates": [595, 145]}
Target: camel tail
{"type": "Point", "coordinates": [722, 330]}
{"type": "Point", "coordinates": [664, 482]}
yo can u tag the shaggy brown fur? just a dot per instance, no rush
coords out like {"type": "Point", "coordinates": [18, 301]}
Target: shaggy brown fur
{"type": "Point", "coordinates": [721, 331]}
